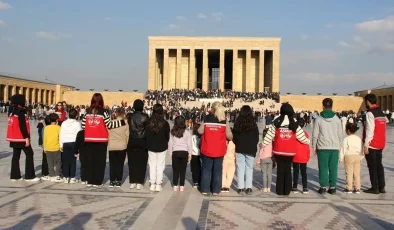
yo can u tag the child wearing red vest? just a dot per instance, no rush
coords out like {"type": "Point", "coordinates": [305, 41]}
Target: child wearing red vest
{"type": "Point", "coordinates": [18, 134]}
{"type": "Point", "coordinates": [300, 161]}
{"type": "Point", "coordinates": [284, 134]}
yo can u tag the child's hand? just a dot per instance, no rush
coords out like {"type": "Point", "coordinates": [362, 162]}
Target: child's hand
{"type": "Point", "coordinates": [341, 162]}
{"type": "Point", "coordinates": [61, 149]}
{"type": "Point", "coordinates": [76, 155]}
{"type": "Point", "coordinates": [27, 141]}
{"type": "Point", "coordinates": [258, 163]}
{"type": "Point", "coordinates": [189, 158]}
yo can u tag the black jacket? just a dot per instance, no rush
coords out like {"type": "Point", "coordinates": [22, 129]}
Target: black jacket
{"type": "Point", "coordinates": [246, 142]}
{"type": "Point", "coordinates": [137, 124]}
{"type": "Point", "coordinates": [158, 142]}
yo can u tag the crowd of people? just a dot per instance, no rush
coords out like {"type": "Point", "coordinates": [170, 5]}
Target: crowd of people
{"type": "Point", "coordinates": [206, 140]}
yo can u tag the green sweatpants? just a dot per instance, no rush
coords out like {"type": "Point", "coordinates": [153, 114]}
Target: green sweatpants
{"type": "Point", "coordinates": [328, 167]}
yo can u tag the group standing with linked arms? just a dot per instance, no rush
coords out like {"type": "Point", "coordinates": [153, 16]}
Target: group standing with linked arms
{"type": "Point", "coordinates": [213, 149]}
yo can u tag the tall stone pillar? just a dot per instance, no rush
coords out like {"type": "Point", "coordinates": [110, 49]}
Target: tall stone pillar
{"type": "Point", "coordinates": [261, 71]}
{"type": "Point", "coordinates": [249, 79]}
{"type": "Point", "coordinates": [152, 70]}
{"type": "Point", "coordinates": [275, 70]}
{"type": "Point", "coordinates": [236, 85]}
{"type": "Point", "coordinates": [6, 98]}
{"type": "Point", "coordinates": [221, 70]}
{"type": "Point", "coordinates": [178, 75]}
{"type": "Point", "coordinates": [205, 70]}
{"type": "Point", "coordinates": [33, 95]}
{"type": "Point", "coordinates": [165, 69]}
{"type": "Point", "coordinates": [28, 94]}
{"type": "Point", "coordinates": [39, 98]}
{"type": "Point", "coordinates": [192, 70]}
{"type": "Point", "coordinates": [13, 90]}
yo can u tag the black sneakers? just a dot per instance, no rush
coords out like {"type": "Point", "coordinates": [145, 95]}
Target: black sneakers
{"type": "Point", "coordinates": [249, 191]}
{"type": "Point", "coordinates": [241, 191]}
{"type": "Point", "coordinates": [112, 184]}
{"type": "Point", "coordinates": [347, 191]}
{"type": "Point", "coordinates": [332, 191]}
{"type": "Point", "coordinates": [225, 190]}
{"type": "Point", "coordinates": [305, 191]}
{"type": "Point", "coordinates": [356, 191]}
{"type": "Point", "coordinates": [372, 191]}
{"type": "Point", "coordinates": [294, 190]}
{"type": "Point", "coordinates": [382, 190]}
{"type": "Point", "coordinates": [118, 184]}
{"type": "Point", "coordinates": [322, 190]}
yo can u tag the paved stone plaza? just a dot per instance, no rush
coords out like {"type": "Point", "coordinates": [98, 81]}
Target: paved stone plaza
{"type": "Point", "coordinates": [46, 205]}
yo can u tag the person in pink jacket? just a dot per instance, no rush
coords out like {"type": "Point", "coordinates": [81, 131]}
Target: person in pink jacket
{"type": "Point", "coordinates": [266, 163]}
{"type": "Point", "coordinates": [228, 167]}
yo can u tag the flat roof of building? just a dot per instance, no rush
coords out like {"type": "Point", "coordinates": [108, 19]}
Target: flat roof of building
{"type": "Point", "coordinates": [379, 87]}
{"type": "Point", "coordinates": [43, 82]}
{"type": "Point", "coordinates": [202, 38]}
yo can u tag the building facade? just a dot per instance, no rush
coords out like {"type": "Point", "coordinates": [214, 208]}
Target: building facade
{"type": "Point", "coordinates": [34, 91]}
{"type": "Point", "coordinates": [244, 64]}
{"type": "Point", "coordinates": [384, 93]}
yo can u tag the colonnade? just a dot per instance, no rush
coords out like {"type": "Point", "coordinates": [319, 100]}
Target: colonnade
{"type": "Point", "coordinates": [246, 70]}
{"type": "Point", "coordinates": [32, 94]}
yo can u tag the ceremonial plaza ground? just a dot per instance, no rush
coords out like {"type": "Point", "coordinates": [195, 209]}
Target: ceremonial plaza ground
{"type": "Point", "coordinates": [46, 205]}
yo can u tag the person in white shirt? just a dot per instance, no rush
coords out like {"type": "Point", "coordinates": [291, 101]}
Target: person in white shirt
{"type": "Point", "coordinates": [350, 155]}
{"type": "Point", "coordinates": [67, 137]}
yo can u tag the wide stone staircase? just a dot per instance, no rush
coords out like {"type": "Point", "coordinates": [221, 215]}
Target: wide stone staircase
{"type": "Point", "coordinates": [269, 104]}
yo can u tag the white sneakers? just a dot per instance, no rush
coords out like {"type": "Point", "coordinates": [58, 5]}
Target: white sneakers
{"type": "Point", "coordinates": [158, 188]}
{"type": "Point", "coordinates": [73, 181]}
{"type": "Point", "coordinates": [138, 186]}
{"type": "Point", "coordinates": [36, 179]}
{"type": "Point", "coordinates": [14, 180]}
{"type": "Point", "coordinates": [66, 180]}
{"type": "Point", "coordinates": [57, 179]}
{"type": "Point", "coordinates": [46, 178]}
{"type": "Point", "coordinates": [153, 187]}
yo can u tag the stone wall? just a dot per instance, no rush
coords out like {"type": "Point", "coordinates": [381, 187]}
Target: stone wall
{"type": "Point", "coordinates": [341, 103]}
{"type": "Point", "coordinates": [84, 97]}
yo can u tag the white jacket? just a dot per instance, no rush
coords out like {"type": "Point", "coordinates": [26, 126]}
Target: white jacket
{"type": "Point", "coordinates": [68, 131]}
{"type": "Point", "coordinates": [196, 150]}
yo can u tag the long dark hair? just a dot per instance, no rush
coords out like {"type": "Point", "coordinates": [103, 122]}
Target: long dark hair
{"type": "Point", "coordinates": [245, 121]}
{"type": "Point", "coordinates": [179, 127]}
{"type": "Point", "coordinates": [286, 110]}
{"type": "Point", "coordinates": [156, 121]}
{"type": "Point", "coordinates": [96, 103]}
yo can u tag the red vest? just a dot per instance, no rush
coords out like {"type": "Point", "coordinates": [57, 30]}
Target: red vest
{"type": "Point", "coordinates": [14, 133]}
{"type": "Point", "coordinates": [303, 152]}
{"type": "Point", "coordinates": [213, 141]}
{"type": "Point", "coordinates": [379, 135]}
{"type": "Point", "coordinates": [285, 142]}
{"type": "Point", "coordinates": [95, 129]}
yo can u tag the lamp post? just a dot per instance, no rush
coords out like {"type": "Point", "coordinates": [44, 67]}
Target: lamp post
{"type": "Point", "coordinates": [106, 90]}
{"type": "Point", "coordinates": [319, 94]}
{"type": "Point", "coordinates": [121, 90]}
{"type": "Point", "coordinates": [334, 94]}
{"type": "Point", "coordinates": [76, 89]}
{"type": "Point", "coordinates": [349, 94]}
{"type": "Point", "coordinates": [135, 90]}
{"type": "Point", "coordinates": [288, 93]}
{"type": "Point", "coordinates": [303, 93]}
{"type": "Point", "coordinates": [91, 89]}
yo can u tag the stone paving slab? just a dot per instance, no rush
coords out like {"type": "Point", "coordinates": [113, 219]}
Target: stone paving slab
{"type": "Point", "coordinates": [46, 205]}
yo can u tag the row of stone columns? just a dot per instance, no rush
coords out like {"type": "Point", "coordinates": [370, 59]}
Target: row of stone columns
{"type": "Point", "coordinates": [33, 95]}
{"type": "Point", "coordinates": [249, 81]}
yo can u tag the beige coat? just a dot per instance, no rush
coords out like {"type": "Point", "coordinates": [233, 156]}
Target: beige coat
{"type": "Point", "coordinates": [118, 138]}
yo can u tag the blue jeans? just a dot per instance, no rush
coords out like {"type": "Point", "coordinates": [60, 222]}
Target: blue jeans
{"type": "Point", "coordinates": [211, 174]}
{"type": "Point", "coordinates": [244, 167]}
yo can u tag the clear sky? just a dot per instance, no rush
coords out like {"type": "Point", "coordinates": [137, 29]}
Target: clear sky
{"type": "Point", "coordinates": [327, 46]}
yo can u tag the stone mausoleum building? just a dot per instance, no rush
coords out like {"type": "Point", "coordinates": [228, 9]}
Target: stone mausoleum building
{"type": "Point", "coordinates": [248, 64]}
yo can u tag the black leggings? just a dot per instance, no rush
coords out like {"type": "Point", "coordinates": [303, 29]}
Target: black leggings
{"type": "Point", "coordinates": [283, 175]}
{"type": "Point", "coordinates": [179, 165]}
{"type": "Point", "coordinates": [296, 169]}
{"type": "Point", "coordinates": [29, 165]}
{"type": "Point", "coordinates": [116, 162]}
{"type": "Point", "coordinates": [195, 167]}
